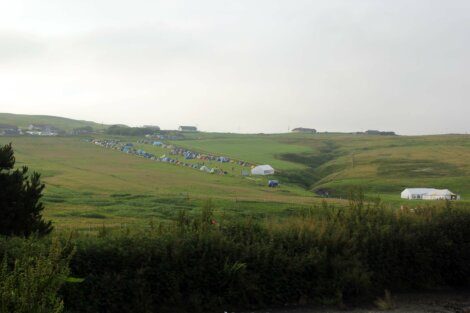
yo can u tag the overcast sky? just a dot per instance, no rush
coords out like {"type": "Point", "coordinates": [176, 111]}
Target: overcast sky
{"type": "Point", "coordinates": [245, 65]}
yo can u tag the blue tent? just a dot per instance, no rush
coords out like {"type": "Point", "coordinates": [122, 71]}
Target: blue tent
{"type": "Point", "coordinates": [223, 159]}
{"type": "Point", "coordinates": [273, 183]}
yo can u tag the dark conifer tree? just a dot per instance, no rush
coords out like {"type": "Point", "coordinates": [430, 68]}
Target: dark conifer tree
{"type": "Point", "coordinates": [20, 195]}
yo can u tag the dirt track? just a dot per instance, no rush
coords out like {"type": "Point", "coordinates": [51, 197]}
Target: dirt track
{"type": "Point", "coordinates": [432, 302]}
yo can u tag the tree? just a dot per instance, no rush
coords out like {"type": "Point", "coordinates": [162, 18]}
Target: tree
{"type": "Point", "coordinates": [123, 130]}
{"type": "Point", "coordinates": [82, 130]}
{"type": "Point", "coordinates": [20, 194]}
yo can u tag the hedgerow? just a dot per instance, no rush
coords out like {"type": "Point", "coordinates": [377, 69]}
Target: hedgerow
{"type": "Point", "coordinates": [198, 264]}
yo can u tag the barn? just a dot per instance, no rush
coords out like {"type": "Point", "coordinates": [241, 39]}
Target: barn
{"type": "Point", "coordinates": [428, 194]}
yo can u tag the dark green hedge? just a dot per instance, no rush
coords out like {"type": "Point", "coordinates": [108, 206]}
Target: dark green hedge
{"type": "Point", "coordinates": [200, 266]}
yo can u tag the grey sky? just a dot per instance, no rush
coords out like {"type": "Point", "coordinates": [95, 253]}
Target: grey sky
{"type": "Point", "coordinates": [249, 66]}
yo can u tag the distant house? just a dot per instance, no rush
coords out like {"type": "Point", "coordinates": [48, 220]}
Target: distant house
{"type": "Point", "coordinates": [187, 129]}
{"type": "Point", "coordinates": [262, 170]}
{"type": "Point", "coordinates": [9, 130]}
{"type": "Point", "coordinates": [43, 130]}
{"type": "Point", "coordinates": [152, 127]}
{"type": "Point", "coordinates": [304, 130]}
{"type": "Point", "coordinates": [33, 127]}
{"type": "Point", "coordinates": [428, 194]}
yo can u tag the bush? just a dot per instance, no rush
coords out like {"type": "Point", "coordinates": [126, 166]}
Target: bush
{"type": "Point", "coordinates": [31, 274]}
{"type": "Point", "coordinates": [197, 264]}
{"type": "Point", "coordinates": [129, 131]}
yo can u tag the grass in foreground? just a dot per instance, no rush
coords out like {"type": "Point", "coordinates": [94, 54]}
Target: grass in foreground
{"type": "Point", "coordinates": [88, 186]}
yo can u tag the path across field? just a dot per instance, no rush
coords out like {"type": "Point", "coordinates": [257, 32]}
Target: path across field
{"type": "Point", "coordinates": [435, 302]}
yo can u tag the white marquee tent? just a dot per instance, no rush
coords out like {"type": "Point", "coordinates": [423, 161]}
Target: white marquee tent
{"type": "Point", "coordinates": [262, 170]}
{"type": "Point", "coordinates": [429, 194]}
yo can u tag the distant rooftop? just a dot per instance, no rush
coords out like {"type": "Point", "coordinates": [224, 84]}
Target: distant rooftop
{"type": "Point", "coordinates": [187, 128]}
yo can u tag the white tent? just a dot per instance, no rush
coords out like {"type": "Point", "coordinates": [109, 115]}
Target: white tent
{"type": "Point", "coordinates": [204, 169]}
{"type": "Point", "coordinates": [443, 194]}
{"type": "Point", "coordinates": [428, 194]}
{"type": "Point", "coordinates": [262, 170]}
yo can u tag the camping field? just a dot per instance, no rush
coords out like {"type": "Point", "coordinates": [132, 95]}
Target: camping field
{"type": "Point", "coordinates": [89, 186]}
{"type": "Point", "coordinates": [258, 149]}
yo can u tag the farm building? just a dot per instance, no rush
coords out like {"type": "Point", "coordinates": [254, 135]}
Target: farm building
{"type": "Point", "coordinates": [304, 130]}
{"type": "Point", "coordinates": [262, 170]}
{"type": "Point", "coordinates": [187, 129]}
{"type": "Point", "coordinates": [152, 127]}
{"type": "Point", "coordinates": [428, 194]}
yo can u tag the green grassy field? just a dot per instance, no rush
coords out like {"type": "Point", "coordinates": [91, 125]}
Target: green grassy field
{"type": "Point", "coordinates": [88, 186]}
{"type": "Point", "coordinates": [385, 166]}
{"type": "Point", "coordinates": [259, 149]}
{"type": "Point", "coordinates": [382, 165]}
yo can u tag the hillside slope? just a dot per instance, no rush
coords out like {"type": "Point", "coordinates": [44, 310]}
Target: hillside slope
{"type": "Point", "coordinates": [385, 166]}
{"type": "Point", "coordinates": [91, 185]}
{"type": "Point", "coordinates": [67, 124]}
{"type": "Point", "coordinates": [381, 165]}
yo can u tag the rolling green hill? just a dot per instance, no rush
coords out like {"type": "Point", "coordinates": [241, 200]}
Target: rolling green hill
{"type": "Point", "coordinates": [250, 148]}
{"type": "Point", "coordinates": [88, 185]}
{"type": "Point", "coordinates": [384, 166]}
{"type": "Point", "coordinates": [67, 124]}
{"type": "Point", "coordinates": [381, 165]}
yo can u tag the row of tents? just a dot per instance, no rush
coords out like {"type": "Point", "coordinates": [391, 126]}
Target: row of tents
{"type": "Point", "coordinates": [193, 155]}
{"type": "Point", "coordinates": [129, 148]}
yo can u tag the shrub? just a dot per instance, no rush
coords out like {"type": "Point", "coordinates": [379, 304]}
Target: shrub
{"type": "Point", "coordinates": [198, 265]}
{"type": "Point", "coordinates": [385, 303]}
{"type": "Point", "coordinates": [31, 276]}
